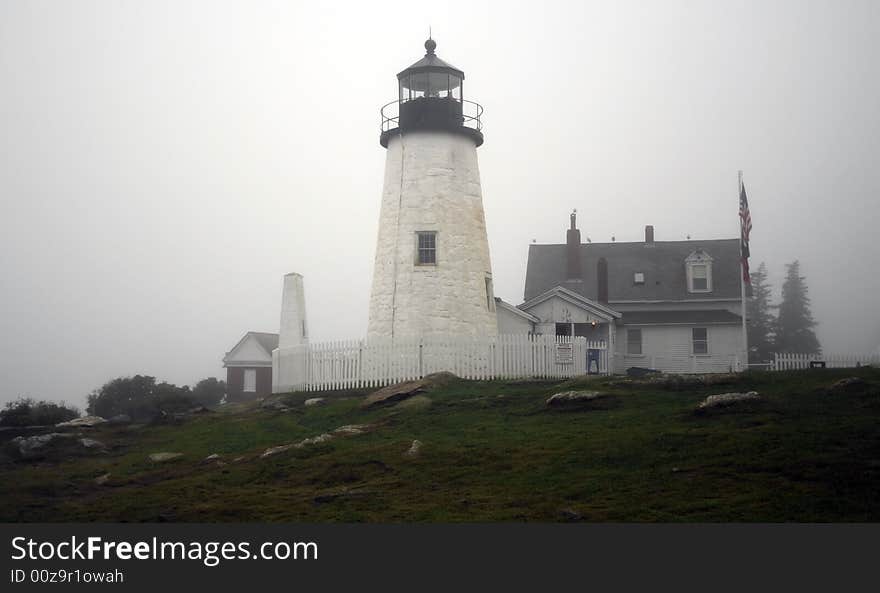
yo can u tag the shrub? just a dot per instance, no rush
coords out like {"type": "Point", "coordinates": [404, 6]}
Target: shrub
{"type": "Point", "coordinates": [26, 412]}
{"type": "Point", "coordinates": [209, 392]}
{"type": "Point", "coordinates": [140, 397]}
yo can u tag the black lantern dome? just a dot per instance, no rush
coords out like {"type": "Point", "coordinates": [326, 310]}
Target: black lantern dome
{"type": "Point", "coordinates": [430, 97]}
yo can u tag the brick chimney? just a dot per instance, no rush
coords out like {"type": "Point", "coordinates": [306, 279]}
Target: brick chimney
{"type": "Point", "coordinates": [602, 281]}
{"type": "Point", "coordinates": [573, 250]}
{"type": "Point", "coordinates": [649, 234]}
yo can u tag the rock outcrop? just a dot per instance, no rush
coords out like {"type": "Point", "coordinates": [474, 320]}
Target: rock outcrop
{"type": "Point", "coordinates": [402, 391]}
{"type": "Point", "coordinates": [724, 400]}
{"type": "Point", "coordinates": [162, 457]}
{"type": "Point", "coordinates": [573, 397]}
{"type": "Point", "coordinates": [84, 422]}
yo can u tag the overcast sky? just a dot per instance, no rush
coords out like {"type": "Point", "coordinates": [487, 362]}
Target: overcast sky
{"type": "Point", "coordinates": [164, 163]}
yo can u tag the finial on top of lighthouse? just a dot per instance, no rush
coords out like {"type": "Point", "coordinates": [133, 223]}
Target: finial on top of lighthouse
{"type": "Point", "coordinates": [430, 45]}
{"type": "Point", "coordinates": [573, 217]}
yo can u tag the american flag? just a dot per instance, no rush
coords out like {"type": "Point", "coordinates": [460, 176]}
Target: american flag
{"type": "Point", "coordinates": [745, 225]}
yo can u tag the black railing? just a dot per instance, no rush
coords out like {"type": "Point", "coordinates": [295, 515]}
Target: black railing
{"type": "Point", "coordinates": [469, 118]}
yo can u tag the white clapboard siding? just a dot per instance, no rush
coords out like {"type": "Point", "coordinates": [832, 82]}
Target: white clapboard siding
{"type": "Point", "coordinates": [793, 361]}
{"type": "Point", "coordinates": [382, 361]}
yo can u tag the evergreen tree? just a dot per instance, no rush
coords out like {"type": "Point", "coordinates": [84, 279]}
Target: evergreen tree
{"type": "Point", "coordinates": [794, 325]}
{"type": "Point", "coordinates": [759, 318]}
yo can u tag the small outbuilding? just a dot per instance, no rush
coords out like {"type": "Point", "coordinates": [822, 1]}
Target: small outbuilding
{"type": "Point", "coordinates": [249, 366]}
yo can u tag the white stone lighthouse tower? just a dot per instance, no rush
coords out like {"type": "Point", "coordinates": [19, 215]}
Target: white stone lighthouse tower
{"type": "Point", "coordinates": [432, 274]}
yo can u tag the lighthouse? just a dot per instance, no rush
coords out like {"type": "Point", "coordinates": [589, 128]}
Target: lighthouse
{"type": "Point", "coordinates": [432, 274]}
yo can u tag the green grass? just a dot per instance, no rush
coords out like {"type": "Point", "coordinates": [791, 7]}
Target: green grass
{"type": "Point", "coordinates": [492, 451]}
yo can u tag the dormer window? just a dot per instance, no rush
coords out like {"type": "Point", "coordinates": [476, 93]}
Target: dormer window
{"type": "Point", "coordinates": [699, 278]}
{"type": "Point", "coordinates": [639, 278]}
{"type": "Point", "coordinates": [699, 271]}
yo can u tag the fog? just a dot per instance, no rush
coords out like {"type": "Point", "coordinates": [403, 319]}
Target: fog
{"type": "Point", "coordinates": [163, 164]}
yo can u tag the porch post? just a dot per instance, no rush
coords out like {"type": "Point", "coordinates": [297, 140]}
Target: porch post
{"type": "Point", "coordinates": [612, 335]}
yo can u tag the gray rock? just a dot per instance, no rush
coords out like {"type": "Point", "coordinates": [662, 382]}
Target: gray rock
{"type": "Point", "coordinates": [723, 400]}
{"type": "Point", "coordinates": [414, 449]}
{"type": "Point", "coordinates": [352, 429]}
{"type": "Point", "coordinates": [401, 391]}
{"type": "Point", "coordinates": [31, 447]}
{"type": "Point", "coordinates": [162, 457]}
{"type": "Point", "coordinates": [570, 516]}
{"type": "Point", "coordinates": [849, 385]}
{"type": "Point", "coordinates": [274, 404]}
{"type": "Point", "coordinates": [315, 401]}
{"type": "Point", "coordinates": [101, 480]}
{"type": "Point", "coordinates": [91, 443]}
{"type": "Point", "coordinates": [347, 430]}
{"type": "Point", "coordinates": [212, 457]}
{"type": "Point", "coordinates": [321, 438]}
{"type": "Point", "coordinates": [84, 422]}
{"type": "Point", "coordinates": [571, 397]}
{"type": "Point", "coordinates": [274, 451]}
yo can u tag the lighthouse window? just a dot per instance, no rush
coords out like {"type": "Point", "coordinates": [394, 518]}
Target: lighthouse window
{"type": "Point", "coordinates": [490, 296]}
{"type": "Point", "coordinates": [427, 248]}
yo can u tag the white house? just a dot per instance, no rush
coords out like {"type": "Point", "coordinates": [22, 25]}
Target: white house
{"type": "Point", "coordinates": [673, 306]}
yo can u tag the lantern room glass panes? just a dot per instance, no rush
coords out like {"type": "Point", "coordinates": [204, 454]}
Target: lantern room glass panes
{"type": "Point", "coordinates": [435, 85]}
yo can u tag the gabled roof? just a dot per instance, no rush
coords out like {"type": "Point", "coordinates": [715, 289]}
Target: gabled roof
{"type": "Point", "coordinates": [680, 317]}
{"type": "Point", "coordinates": [267, 342]}
{"type": "Point", "coordinates": [662, 262]}
{"type": "Point", "coordinates": [516, 311]}
{"type": "Point", "coordinates": [575, 299]}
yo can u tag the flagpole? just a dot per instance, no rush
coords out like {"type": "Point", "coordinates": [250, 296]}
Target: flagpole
{"type": "Point", "coordinates": [742, 283]}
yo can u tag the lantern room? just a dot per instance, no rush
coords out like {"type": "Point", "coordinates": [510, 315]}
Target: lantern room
{"type": "Point", "coordinates": [430, 97]}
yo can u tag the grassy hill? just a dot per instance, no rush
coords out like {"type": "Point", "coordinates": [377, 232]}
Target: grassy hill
{"type": "Point", "coordinates": [492, 451]}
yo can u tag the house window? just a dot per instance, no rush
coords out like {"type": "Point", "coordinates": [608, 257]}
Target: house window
{"type": "Point", "coordinates": [426, 248]}
{"type": "Point", "coordinates": [633, 341]}
{"type": "Point", "coordinates": [639, 278]}
{"type": "Point", "coordinates": [250, 380]}
{"type": "Point", "coordinates": [700, 340]}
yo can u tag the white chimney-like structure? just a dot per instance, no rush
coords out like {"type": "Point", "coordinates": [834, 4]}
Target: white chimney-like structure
{"type": "Point", "coordinates": [288, 360]}
{"type": "Point", "coordinates": [294, 330]}
{"type": "Point", "coordinates": [432, 273]}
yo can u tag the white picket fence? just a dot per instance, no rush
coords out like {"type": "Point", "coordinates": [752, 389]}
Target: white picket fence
{"type": "Point", "coordinates": [377, 362]}
{"type": "Point", "coordinates": [788, 362]}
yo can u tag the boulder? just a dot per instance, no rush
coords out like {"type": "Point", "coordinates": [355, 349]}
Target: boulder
{"type": "Point", "coordinates": [315, 401]}
{"type": "Point", "coordinates": [723, 400]}
{"type": "Point", "coordinates": [91, 443]}
{"type": "Point", "coordinates": [199, 410]}
{"type": "Point", "coordinates": [274, 404]}
{"type": "Point", "coordinates": [401, 391]}
{"type": "Point", "coordinates": [103, 479]}
{"type": "Point", "coordinates": [574, 397]}
{"type": "Point", "coordinates": [414, 449]}
{"type": "Point", "coordinates": [84, 422]}
{"type": "Point", "coordinates": [849, 385]}
{"type": "Point", "coordinates": [212, 457]}
{"type": "Point", "coordinates": [162, 457]}
{"type": "Point", "coordinates": [31, 447]}
{"type": "Point", "coordinates": [570, 516]}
